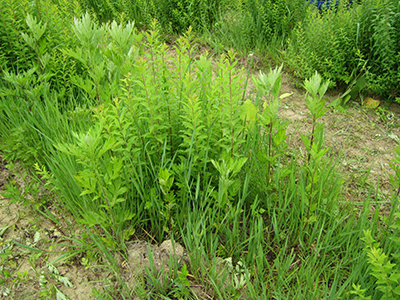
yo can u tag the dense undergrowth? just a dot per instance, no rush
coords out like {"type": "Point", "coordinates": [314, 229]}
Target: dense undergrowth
{"type": "Point", "coordinates": [353, 43]}
{"type": "Point", "coordinates": [136, 140]}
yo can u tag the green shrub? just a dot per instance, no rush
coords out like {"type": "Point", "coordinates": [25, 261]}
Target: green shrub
{"type": "Point", "coordinates": [158, 119]}
{"type": "Point", "coordinates": [380, 45]}
{"type": "Point", "coordinates": [16, 54]}
{"type": "Point", "coordinates": [347, 43]}
{"type": "Point", "coordinates": [383, 258]}
{"type": "Point", "coordinates": [385, 272]}
{"type": "Point", "coordinates": [254, 25]}
{"type": "Point", "coordinates": [174, 16]}
{"type": "Point", "coordinates": [325, 43]}
{"type": "Point", "coordinates": [33, 36]}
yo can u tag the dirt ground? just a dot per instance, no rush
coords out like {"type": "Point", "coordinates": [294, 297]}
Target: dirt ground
{"type": "Point", "coordinates": [25, 272]}
{"type": "Point", "coordinates": [363, 141]}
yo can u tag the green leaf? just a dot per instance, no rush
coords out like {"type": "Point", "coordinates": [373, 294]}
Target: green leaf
{"type": "Point", "coordinates": [29, 40]}
{"type": "Point", "coordinates": [306, 140]}
{"type": "Point", "coordinates": [87, 32]}
{"type": "Point", "coordinates": [108, 145]}
{"type": "Point", "coordinates": [394, 276]}
{"type": "Point", "coordinates": [397, 290]}
{"type": "Point", "coordinates": [285, 95]}
{"type": "Point", "coordinates": [279, 137]}
{"type": "Point", "coordinates": [27, 247]}
{"type": "Point", "coordinates": [248, 111]}
{"type": "Point", "coordinates": [312, 84]}
{"type": "Point", "coordinates": [37, 28]}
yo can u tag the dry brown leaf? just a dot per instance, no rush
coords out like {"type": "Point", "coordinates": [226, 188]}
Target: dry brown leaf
{"type": "Point", "coordinates": [371, 103]}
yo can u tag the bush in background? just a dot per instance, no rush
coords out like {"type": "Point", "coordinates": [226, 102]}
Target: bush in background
{"type": "Point", "coordinates": [252, 25]}
{"type": "Point", "coordinates": [19, 56]}
{"type": "Point", "coordinates": [380, 45]}
{"type": "Point", "coordinates": [173, 16]}
{"type": "Point", "coordinates": [325, 43]}
{"type": "Point", "coordinates": [344, 44]}
{"type": "Point", "coordinates": [32, 35]}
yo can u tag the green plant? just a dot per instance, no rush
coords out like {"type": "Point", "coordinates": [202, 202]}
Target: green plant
{"type": "Point", "coordinates": [259, 26]}
{"type": "Point", "coordinates": [17, 54]}
{"type": "Point", "coordinates": [155, 141]}
{"type": "Point", "coordinates": [380, 45]}
{"type": "Point", "coordinates": [326, 43]}
{"type": "Point", "coordinates": [269, 86]}
{"type": "Point", "coordinates": [383, 257]}
{"type": "Point", "coordinates": [48, 290]}
{"type": "Point", "coordinates": [174, 16]}
{"type": "Point", "coordinates": [386, 275]}
{"type": "Point", "coordinates": [114, 146]}
{"type": "Point", "coordinates": [228, 168]}
{"type": "Point", "coordinates": [348, 46]}
{"type": "Point", "coordinates": [315, 104]}
{"type": "Point", "coordinates": [182, 284]}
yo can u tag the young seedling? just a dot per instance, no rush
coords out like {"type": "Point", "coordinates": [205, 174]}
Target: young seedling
{"type": "Point", "coordinates": [316, 90]}
{"type": "Point", "coordinates": [270, 86]}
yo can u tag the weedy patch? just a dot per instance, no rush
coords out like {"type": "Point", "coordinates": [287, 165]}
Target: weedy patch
{"type": "Point", "coordinates": [158, 144]}
{"type": "Point", "coordinates": [34, 262]}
